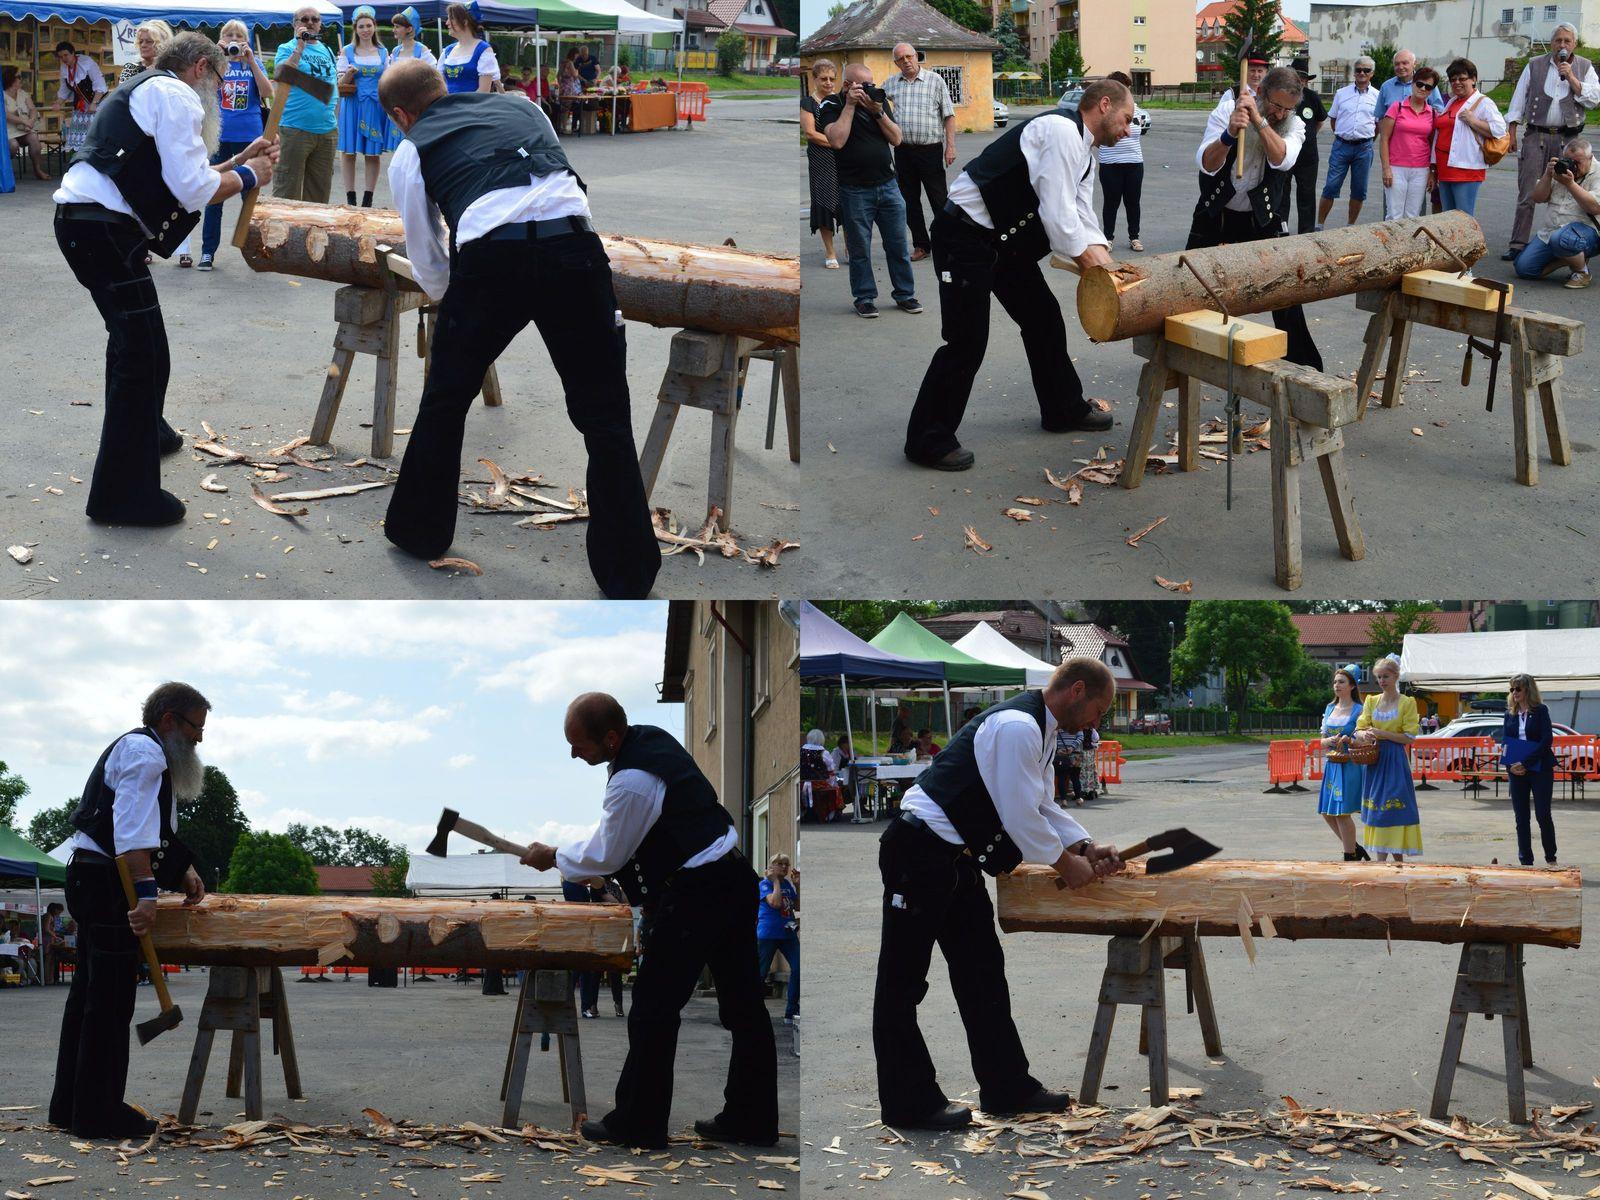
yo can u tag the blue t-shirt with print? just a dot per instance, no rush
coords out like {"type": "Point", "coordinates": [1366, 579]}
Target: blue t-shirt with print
{"type": "Point", "coordinates": [776, 922]}
{"type": "Point", "coordinates": [302, 110]}
{"type": "Point", "coordinates": [240, 100]}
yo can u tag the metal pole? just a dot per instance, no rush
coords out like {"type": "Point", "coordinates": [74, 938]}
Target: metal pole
{"type": "Point", "coordinates": [38, 927]}
{"type": "Point", "coordinates": [616, 57]}
{"type": "Point", "coordinates": [850, 737]}
{"type": "Point", "coordinates": [872, 716]}
{"type": "Point", "coordinates": [949, 729]}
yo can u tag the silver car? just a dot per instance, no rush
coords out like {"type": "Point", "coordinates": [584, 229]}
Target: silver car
{"type": "Point", "coordinates": [1070, 98]}
{"type": "Point", "coordinates": [1002, 114]}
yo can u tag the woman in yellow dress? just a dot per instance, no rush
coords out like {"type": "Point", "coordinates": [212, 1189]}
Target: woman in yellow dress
{"type": "Point", "coordinates": [1391, 824]}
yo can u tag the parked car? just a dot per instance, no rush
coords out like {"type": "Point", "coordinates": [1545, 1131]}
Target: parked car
{"type": "Point", "coordinates": [1002, 114]}
{"type": "Point", "coordinates": [1151, 723]}
{"type": "Point", "coordinates": [784, 66]}
{"type": "Point", "coordinates": [1492, 725]}
{"type": "Point", "coordinates": [1070, 98]}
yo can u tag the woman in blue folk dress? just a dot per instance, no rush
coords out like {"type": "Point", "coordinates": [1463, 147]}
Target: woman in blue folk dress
{"type": "Point", "coordinates": [363, 127]}
{"type": "Point", "coordinates": [1340, 797]}
{"type": "Point", "coordinates": [1393, 827]}
{"type": "Point", "coordinates": [404, 25]}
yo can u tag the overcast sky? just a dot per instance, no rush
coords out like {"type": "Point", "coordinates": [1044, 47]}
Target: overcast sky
{"type": "Point", "coordinates": [374, 714]}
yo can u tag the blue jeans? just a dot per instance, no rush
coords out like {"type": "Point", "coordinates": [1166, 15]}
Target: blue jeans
{"type": "Point", "coordinates": [861, 208]}
{"type": "Point", "coordinates": [790, 946]}
{"type": "Point", "coordinates": [211, 233]}
{"type": "Point", "coordinates": [1459, 197]}
{"type": "Point", "coordinates": [1577, 237]}
{"type": "Point", "coordinates": [1348, 157]}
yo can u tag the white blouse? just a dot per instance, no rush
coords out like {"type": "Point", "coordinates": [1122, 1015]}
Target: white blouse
{"type": "Point", "coordinates": [1466, 151]}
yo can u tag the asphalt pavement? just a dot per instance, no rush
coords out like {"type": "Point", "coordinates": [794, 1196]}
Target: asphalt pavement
{"type": "Point", "coordinates": [250, 353]}
{"type": "Point", "coordinates": [1424, 500]}
{"type": "Point", "coordinates": [1349, 1025]}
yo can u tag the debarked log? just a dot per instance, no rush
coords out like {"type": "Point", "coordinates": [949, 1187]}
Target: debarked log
{"type": "Point", "coordinates": [1130, 298]}
{"type": "Point", "coordinates": [290, 931]}
{"type": "Point", "coordinates": [674, 285]}
{"type": "Point", "coordinates": [1411, 902]}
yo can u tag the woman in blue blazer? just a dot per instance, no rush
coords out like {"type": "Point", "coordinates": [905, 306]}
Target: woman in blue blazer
{"type": "Point", "coordinates": [1528, 719]}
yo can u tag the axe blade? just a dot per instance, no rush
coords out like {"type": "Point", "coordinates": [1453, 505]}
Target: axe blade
{"type": "Point", "coordinates": [441, 836]}
{"type": "Point", "coordinates": [321, 89]}
{"type": "Point", "coordinates": [157, 1025]}
{"type": "Point", "coordinates": [1183, 848]}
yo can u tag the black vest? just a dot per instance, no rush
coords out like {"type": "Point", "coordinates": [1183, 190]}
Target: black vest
{"type": "Point", "coordinates": [1001, 176]}
{"type": "Point", "coordinates": [93, 816]}
{"type": "Point", "coordinates": [954, 784]}
{"type": "Point", "coordinates": [1269, 199]}
{"type": "Point", "coordinates": [119, 149]}
{"type": "Point", "coordinates": [690, 820]}
{"type": "Point", "coordinates": [473, 143]}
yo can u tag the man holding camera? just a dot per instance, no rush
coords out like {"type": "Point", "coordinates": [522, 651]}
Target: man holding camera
{"type": "Point", "coordinates": [860, 126]}
{"type": "Point", "coordinates": [307, 135]}
{"type": "Point", "coordinates": [1570, 236]}
{"type": "Point", "coordinates": [1551, 95]}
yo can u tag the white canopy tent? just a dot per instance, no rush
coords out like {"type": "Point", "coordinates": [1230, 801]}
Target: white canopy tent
{"type": "Point", "coordinates": [630, 19]}
{"type": "Point", "coordinates": [987, 644]}
{"type": "Point", "coordinates": [468, 873]}
{"type": "Point", "coordinates": [1560, 659]}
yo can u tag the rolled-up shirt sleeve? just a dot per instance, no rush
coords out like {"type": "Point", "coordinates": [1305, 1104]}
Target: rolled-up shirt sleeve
{"type": "Point", "coordinates": [1057, 158]}
{"type": "Point", "coordinates": [133, 771]}
{"type": "Point", "coordinates": [170, 112]}
{"type": "Point", "coordinates": [425, 229]}
{"type": "Point", "coordinates": [1294, 137]}
{"type": "Point", "coordinates": [1009, 754]}
{"type": "Point", "coordinates": [1216, 126]}
{"type": "Point", "coordinates": [631, 806]}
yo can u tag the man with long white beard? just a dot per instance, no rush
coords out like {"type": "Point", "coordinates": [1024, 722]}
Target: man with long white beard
{"type": "Point", "coordinates": [129, 810]}
{"type": "Point", "coordinates": [138, 187]}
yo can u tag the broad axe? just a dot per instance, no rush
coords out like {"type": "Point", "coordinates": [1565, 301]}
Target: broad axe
{"type": "Point", "coordinates": [170, 1014]}
{"type": "Point", "coordinates": [284, 78]}
{"type": "Point", "coordinates": [450, 820]}
{"type": "Point", "coordinates": [1184, 850]}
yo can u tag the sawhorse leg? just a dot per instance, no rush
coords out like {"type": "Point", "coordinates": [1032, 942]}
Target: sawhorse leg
{"type": "Point", "coordinates": [1152, 387]}
{"type": "Point", "coordinates": [785, 362]}
{"type": "Point", "coordinates": [703, 371]}
{"type": "Point", "coordinates": [235, 1001]}
{"type": "Point", "coordinates": [1384, 324]}
{"type": "Point", "coordinates": [1523, 391]}
{"type": "Point", "coordinates": [545, 1004]}
{"type": "Point", "coordinates": [1488, 981]}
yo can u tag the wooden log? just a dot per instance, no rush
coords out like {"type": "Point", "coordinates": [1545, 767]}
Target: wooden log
{"type": "Point", "coordinates": [1410, 902]}
{"type": "Point", "coordinates": [289, 931]}
{"type": "Point", "coordinates": [1131, 298]}
{"type": "Point", "coordinates": [670, 284]}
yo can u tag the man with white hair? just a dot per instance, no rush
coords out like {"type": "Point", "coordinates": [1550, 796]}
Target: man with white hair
{"type": "Point", "coordinates": [1354, 121]}
{"type": "Point", "coordinates": [927, 147]}
{"type": "Point", "coordinates": [1398, 88]}
{"type": "Point", "coordinates": [129, 810]}
{"type": "Point", "coordinates": [1570, 236]}
{"type": "Point", "coordinates": [137, 187]}
{"type": "Point", "coordinates": [1551, 96]}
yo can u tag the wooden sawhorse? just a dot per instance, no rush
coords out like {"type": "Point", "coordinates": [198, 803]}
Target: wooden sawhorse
{"type": "Point", "coordinates": [1536, 342]}
{"type": "Point", "coordinates": [369, 323]}
{"type": "Point", "coordinates": [1488, 981]}
{"type": "Point", "coordinates": [707, 370]}
{"type": "Point", "coordinates": [1136, 974]}
{"type": "Point", "coordinates": [1308, 409]}
{"type": "Point", "coordinates": [545, 1004]}
{"type": "Point", "coordinates": [237, 998]}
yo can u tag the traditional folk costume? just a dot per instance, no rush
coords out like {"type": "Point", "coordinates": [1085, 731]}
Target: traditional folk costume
{"type": "Point", "coordinates": [363, 127]}
{"type": "Point", "coordinates": [1340, 795]}
{"type": "Point", "coordinates": [1389, 817]}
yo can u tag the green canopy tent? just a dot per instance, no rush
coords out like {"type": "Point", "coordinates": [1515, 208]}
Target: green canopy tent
{"type": "Point", "coordinates": [903, 636]}
{"type": "Point", "coordinates": [22, 859]}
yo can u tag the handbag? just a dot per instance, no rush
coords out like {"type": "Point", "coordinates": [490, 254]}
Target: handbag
{"type": "Point", "coordinates": [1361, 754]}
{"type": "Point", "coordinates": [1494, 149]}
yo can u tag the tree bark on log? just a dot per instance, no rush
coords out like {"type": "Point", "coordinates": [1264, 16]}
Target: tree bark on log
{"type": "Point", "coordinates": [288, 931]}
{"type": "Point", "coordinates": [669, 284]}
{"type": "Point", "coordinates": [1413, 902]}
{"type": "Point", "coordinates": [1252, 277]}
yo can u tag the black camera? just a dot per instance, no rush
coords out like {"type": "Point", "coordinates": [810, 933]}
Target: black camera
{"type": "Point", "coordinates": [1566, 166]}
{"type": "Point", "coordinates": [876, 94]}
{"type": "Point", "coordinates": [307, 35]}
{"type": "Point", "coordinates": [234, 49]}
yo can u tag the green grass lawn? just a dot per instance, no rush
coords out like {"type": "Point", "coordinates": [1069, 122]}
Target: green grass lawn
{"type": "Point", "coordinates": [720, 84]}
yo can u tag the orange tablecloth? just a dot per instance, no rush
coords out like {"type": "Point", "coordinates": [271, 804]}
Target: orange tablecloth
{"type": "Point", "coordinates": [654, 110]}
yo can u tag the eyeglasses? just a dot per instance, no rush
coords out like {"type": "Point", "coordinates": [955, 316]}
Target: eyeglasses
{"type": "Point", "coordinates": [309, 20]}
{"type": "Point", "coordinates": [189, 723]}
{"type": "Point", "coordinates": [1363, 70]}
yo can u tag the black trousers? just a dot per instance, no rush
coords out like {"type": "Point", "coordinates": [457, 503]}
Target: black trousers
{"type": "Point", "coordinates": [1241, 227]}
{"type": "Point", "coordinates": [970, 271]}
{"type": "Point", "coordinates": [563, 286]}
{"type": "Point", "coordinates": [934, 894]}
{"type": "Point", "coordinates": [1536, 787]}
{"type": "Point", "coordinates": [1306, 169]}
{"type": "Point", "coordinates": [108, 260]}
{"type": "Point", "coordinates": [703, 921]}
{"type": "Point", "coordinates": [919, 169]}
{"type": "Point", "coordinates": [92, 1059]}
{"type": "Point", "coordinates": [588, 984]}
{"type": "Point", "coordinates": [1121, 183]}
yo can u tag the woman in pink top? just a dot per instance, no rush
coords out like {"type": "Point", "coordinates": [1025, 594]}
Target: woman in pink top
{"type": "Point", "coordinates": [1405, 147]}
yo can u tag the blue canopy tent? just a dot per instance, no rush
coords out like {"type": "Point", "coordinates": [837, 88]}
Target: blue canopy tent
{"type": "Point", "coordinates": [829, 651]}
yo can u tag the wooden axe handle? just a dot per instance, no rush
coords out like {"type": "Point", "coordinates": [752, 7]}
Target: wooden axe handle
{"type": "Point", "coordinates": [157, 976]}
{"type": "Point", "coordinates": [1134, 851]}
{"type": "Point", "coordinates": [479, 834]}
{"type": "Point", "coordinates": [241, 231]}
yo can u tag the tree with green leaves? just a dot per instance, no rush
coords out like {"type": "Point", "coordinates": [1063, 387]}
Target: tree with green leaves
{"type": "Point", "coordinates": [1066, 58]}
{"type": "Point", "coordinates": [269, 864]}
{"type": "Point", "coordinates": [966, 13]}
{"type": "Point", "coordinates": [12, 789]}
{"type": "Point", "coordinates": [1382, 63]}
{"type": "Point", "coordinates": [390, 880]}
{"type": "Point", "coordinates": [52, 826]}
{"type": "Point", "coordinates": [1247, 17]}
{"type": "Point", "coordinates": [211, 825]}
{"type": "Point", "coordinates": [1011, 51]}
{"type": "Point", "coordinates": [353, 847]}
{"type": "Point", "coordinates": [730, 52]}
{"type": "Point", "coordinates": [1387, 631]}
{"type": "Point", "coordinates": [1143, 624]}
{"type": "Point", "coordinates": [836, 10]}
{"type": "Point", "coordinates": [1307, 688]}
{"type": "Point", "coordinates": [1251, 642]}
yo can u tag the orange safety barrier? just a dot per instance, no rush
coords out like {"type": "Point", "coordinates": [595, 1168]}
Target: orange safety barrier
{"type": "Point", "coordinates": [1108, 762]}
{"type": "Point", "coordinates": [1314, 759]}
{"type": "Point", "coordinates": [1577, 760]}
{"type": "Point", "coordinates": [1286, 761]}
{"type": "Point", "coordinates": [692, 100]}
{"type": "Point", "coordinates": [1454, 759]}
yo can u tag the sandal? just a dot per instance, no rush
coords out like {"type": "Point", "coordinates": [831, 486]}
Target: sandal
{"type": "Point", "coordinates": [831, 263]}
{"type": "Point", "coordinates": [185, 260]}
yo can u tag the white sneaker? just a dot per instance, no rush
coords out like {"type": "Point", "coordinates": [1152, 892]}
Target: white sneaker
{"type": "Point", "coordinates": [831, 263]}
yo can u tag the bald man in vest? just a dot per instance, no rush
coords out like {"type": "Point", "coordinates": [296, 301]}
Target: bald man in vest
{"type": "Point", "coordinates": [674, 851]}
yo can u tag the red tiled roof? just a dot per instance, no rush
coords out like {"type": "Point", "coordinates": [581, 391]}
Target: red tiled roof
{"type": "Point", "coordinates": [345, 879]}
{"type": "Point", "coordinates": [753, 30]}
{"type": "Point", "coordinates": [1218, 11]}
{"type": "Point", "coordinates": [699, 18]}
{"type": "Point", "coordinates": [1351, 629]}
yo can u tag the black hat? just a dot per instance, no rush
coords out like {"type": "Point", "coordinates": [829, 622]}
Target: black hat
{"type": "Point", "coordinates": [1302, 65]}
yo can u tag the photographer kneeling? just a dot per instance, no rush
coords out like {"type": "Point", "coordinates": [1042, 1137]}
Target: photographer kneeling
{"type": "Point", "coordinates": [1570, 236]}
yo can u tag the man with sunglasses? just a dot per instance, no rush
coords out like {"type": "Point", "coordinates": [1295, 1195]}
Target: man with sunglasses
{"type": "Point", "coordinates": [1354, 121]}
{"type": "Point", "coordinates": [128, 811]}
{"type": "Point", "coordinates": [307, 134]}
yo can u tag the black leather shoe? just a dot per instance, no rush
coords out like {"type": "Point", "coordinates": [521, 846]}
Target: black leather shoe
{"type": "Point", "coordinates": [1510, 256]}
{"type": "Point", "coordinates": [959, 459]}
{"type": "Point", "coordinates": [152, 512]}
{"type": "Point", "coordinates": [129, 1124]}
{"type": "Point", "coordinates": [171, 440]}
{"type": "Point", "coordinates": [1043, 1100]}
{"type": "Point", "coordinates": [714, 1131]}
{"type": "Point", "coordinates": [598, 1131]}
{"type": "Point", "coordinates": [1095, 420]}
{"type": "Point", "coordinates": [951, 1116]}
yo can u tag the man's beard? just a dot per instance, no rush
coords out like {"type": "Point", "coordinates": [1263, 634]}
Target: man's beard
{"type": "Point", "coordinates": [211, 124]}
{"type": "Point", "coordinates": [183, 762]}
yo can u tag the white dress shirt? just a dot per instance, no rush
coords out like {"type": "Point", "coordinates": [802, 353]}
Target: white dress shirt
{"type": "Point", "coordinates": [1061, 169]}
{"type": "Point", "coordinates": [168, 110]}
{"type": "Point", "coordinates": [1354, 114]}
{"type": "Point", "coordinates": [543, 198]}
{"type": "Point", "coordinates": [631, 806]}
{"type": "Point", "coordinates": [1556, 88]}
{"type": "Point", "coordinates": [85, 68]}
{"type": "Point", "coordinates": [1255, 162]}
{"type": "Point", "coordinates": [133, 771]}
{"type": "Point", "coordinates": [1018, 768]}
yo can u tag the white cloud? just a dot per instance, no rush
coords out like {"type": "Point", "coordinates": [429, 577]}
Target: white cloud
{"type": "Point", "coordinates": [320, 739]}
{"type": "Point", "coordinates": [626, 664]}
{"type": "Point", "coordinates": [456, 761]}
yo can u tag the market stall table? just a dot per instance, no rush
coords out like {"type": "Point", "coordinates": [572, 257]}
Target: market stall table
{"type": "Point", "coordinates": [884, 770]}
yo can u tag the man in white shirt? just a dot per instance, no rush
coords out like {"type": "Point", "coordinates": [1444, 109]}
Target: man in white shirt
{"type": "Point", "coordinates": [497, 229]}
{"type": "Point", "coordinates": [137, 187]}
{"type": "Point", "coordinates": [1030, 192]}
{"type": "Point", "coordinates": [128, 811]}
{"type": "Point", "coordinates": [1552, 95]}
{"type": "Point", "coordinates": [673, 849]}
{"type": "Point", "coordinates": [1570, 236]}
{"type": "Point", "coordinates": [986, 805]}
{"type": "Point", "coordinates": [1354, 121]}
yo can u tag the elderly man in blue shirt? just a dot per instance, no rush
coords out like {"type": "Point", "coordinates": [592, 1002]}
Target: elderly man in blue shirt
{"type": "Point", "coordinates": [1353, 117]}
{"type": "Point", "coordinates": [1399, 87]}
